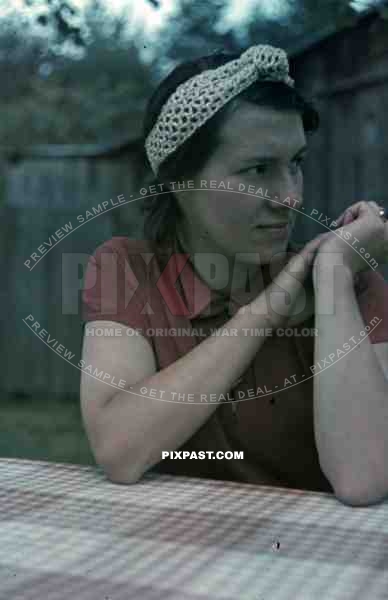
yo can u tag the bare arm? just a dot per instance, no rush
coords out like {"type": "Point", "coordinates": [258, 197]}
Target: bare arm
{"type": "Point", "coordinates": [350, 398]}
{"type": "Point", "coordinates": [129, 430]}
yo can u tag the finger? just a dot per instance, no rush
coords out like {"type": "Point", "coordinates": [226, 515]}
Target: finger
{"type": "Point", "coordinates": [354, 211]}
{"type": "Point", "coordinates": [357, 210]}
{"type": "Point", "coordinates": [362, 208]}
{"type": "Point", "coordinates": [345, 217]}
{"type": "Point", "coordinates": [340, 219]}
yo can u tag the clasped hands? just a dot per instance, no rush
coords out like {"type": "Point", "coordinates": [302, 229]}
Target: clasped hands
{"type": "Point", "coordinates": [361, 238]}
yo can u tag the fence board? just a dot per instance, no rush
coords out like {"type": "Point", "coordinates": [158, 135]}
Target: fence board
{"type": "Point", "coordinates": [42, 196]}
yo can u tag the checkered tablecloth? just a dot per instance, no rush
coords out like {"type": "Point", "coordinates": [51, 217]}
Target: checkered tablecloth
{"type": "Point", "coordinates": [66, 532]}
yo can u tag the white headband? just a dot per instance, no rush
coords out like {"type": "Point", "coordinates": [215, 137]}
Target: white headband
{"type": "Point", "coordinates": [200, 97]}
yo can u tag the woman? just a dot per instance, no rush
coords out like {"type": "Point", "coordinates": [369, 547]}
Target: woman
{"type": "Point", "coordinates": [225, 137]}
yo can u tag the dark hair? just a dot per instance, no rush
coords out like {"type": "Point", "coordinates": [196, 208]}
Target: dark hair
{"type": "Point", "coordinates": [161, 211]}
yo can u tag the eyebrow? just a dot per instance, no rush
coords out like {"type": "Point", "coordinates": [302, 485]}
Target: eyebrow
{"type": "Point", "coordinates": [269, 157]}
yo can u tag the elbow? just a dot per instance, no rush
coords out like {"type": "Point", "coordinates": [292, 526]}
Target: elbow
{"type": "Point", "coordinates": [123, 478]}
{"type": "Point", "coordinates": [121, 469]}
{"type": "Point", "coordinates": [350, 495]}
{"type": "Point", "coordinates": [360, 499]}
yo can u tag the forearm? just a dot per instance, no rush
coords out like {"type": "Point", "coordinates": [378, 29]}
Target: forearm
{"type": "Point", "coordinates": [164, 410]}
{"type": "Point", "coordinates": [137, 427]}
{"type": "Point", "coordinates": [350, 395]}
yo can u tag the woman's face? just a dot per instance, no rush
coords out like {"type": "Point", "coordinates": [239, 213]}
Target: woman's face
{"type": "Point", "coordinates": [260, 147]}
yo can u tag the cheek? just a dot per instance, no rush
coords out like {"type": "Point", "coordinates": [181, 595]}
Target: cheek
{"type": "Point", "coordinates": [231, 208]}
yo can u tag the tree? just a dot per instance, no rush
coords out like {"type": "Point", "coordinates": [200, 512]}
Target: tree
{"type": "Point", "coordinates": [61, 17]}
{"type": "Point", "coordinates": [194, 30]}
{"type": "Point", "coordinates": [48, 96]}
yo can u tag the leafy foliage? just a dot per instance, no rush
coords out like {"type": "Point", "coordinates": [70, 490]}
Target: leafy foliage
{"type": "Point", "coordinates": [69, 77]}
{"type": "Point", "coordinates": [51, 95]}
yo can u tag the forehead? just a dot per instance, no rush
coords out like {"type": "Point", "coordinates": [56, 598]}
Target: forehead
{"type": "Point", "coordinates": [257, 130]}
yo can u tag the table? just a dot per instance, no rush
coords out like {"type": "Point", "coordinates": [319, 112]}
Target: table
{"type": "Point", "coordinates": [67, 532]}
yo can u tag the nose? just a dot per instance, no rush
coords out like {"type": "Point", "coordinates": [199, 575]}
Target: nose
{"type": "Point", "coordinates": [287, 194]}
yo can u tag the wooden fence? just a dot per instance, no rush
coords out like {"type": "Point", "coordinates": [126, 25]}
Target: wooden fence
{"type": "Point", "coordinates": [346, 74]}
{"type": "Point", "coordinates": [46, 195]}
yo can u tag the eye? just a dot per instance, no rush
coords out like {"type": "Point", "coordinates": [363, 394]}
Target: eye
{"type": "Point", "coordinates": [259, 169]}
